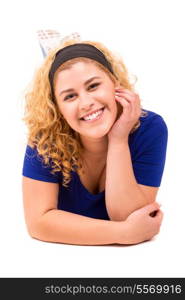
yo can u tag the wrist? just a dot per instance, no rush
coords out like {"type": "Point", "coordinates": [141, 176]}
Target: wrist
{"type": "Point", "coordinates": [118, 144]}
{"type": "Point", "coordinates": [120, 232]}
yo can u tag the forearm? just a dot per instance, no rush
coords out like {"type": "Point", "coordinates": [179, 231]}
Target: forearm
{"type": "Point", "coordinates": [122, 193]}
{"type": "Point", "coordinates": [65, 227]}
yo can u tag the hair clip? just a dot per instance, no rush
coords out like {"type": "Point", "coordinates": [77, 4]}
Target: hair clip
{"type": "Point", "coordinates": [50, 39]}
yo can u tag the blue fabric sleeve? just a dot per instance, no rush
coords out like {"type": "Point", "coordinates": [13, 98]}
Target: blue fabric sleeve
{"type": "Point", "coordinates": [150, 153]}
{"type": "Point", "coordinates": [34, 167]}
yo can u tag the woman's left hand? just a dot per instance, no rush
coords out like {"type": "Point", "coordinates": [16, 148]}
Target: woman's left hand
{"type": "Point", "coordinates": [130, 102]}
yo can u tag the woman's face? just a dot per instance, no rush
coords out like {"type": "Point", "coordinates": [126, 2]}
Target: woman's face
{"type": "Point", "coordinates": [82, 89]}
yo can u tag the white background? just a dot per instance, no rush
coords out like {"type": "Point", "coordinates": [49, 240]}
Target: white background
{"type": "Point", "coordinates": [149, 35]}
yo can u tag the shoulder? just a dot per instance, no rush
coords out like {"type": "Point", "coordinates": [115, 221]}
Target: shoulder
{"type": "Point", "coordinates": [152, 119]}
{"type": "Point", "coordinates": [35, 167]}
{"type": "Point", "coordinates": [151, 122]}
{"type": "Point", "coordinates": [152, 128]}
{"type": "Point", "coordinates": [32, 155]}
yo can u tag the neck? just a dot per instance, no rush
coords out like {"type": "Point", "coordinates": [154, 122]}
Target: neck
{"type": "Point", "coordinates": [95, 148]}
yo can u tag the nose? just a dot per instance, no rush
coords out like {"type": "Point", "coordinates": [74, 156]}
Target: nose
{"type": "Point", "coordinates": [85, 102]}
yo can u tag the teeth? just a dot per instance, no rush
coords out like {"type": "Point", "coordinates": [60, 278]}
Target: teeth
{"type": "Point", "coordinates": [93, 115]}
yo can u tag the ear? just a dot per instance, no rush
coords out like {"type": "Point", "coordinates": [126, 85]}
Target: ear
{"type": "Point", "coordinates": [117, 84]}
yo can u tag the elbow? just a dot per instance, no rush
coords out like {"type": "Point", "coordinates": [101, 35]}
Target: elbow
{"type": "Point", "coordinates": [118, 218]}
{"type": "Point", "coordinates": [36, 231]}
{"type": "Point", "coordinates": [122, 214]}
{"type": "Point", "coordinates": [115, 216]}
{"type": "Point", "coordinates": [39, 228]}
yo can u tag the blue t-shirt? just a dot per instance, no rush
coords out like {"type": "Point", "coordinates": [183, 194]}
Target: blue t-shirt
{"type": "Point", "coordinates": [147, 146]}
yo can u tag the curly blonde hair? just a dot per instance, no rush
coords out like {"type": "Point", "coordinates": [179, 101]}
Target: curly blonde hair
{"type": "Point", "coordinates": [48, 131]}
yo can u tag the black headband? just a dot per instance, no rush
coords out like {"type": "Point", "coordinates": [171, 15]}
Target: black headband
{"type": "Point", "coordinates": [77, 50]}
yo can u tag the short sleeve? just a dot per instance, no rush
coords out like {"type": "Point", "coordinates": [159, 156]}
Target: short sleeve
{"type": "Point", "coordinates": [34, 167]}
{"type": "Point", "coordinates": [150, 153]}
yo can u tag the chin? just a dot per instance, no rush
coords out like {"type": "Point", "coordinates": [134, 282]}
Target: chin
{"type": "Point", "coordinates": [101, 131]}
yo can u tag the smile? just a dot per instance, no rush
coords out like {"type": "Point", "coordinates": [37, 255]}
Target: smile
{"type": "Point", "coordinates": [98, 115]}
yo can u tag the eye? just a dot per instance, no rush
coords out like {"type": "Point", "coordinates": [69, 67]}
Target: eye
{"type": "Point", "coordinates": [69, 96]}
{"type": "Point", "coordinates": [94, 85]}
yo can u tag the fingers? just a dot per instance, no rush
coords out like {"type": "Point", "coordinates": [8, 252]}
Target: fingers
{"type": "Point", "coordinates": [123, 101]}
{"type": "Point", "coordinates": [159, 216]}
{"type": "Point", "coordinates": [154, 206]}
{"type": "Point", "coordinates": [129, 100]}
{"type": "Point", "coordinates": [157, 221]}
{"type": "Point", "coordinates": [153, 213]}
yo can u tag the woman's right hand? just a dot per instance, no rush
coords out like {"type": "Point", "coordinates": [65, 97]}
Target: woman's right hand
{"type": "Point", "coordinates": [140, 226]}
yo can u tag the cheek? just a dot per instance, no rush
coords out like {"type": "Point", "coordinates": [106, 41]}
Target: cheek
{"type": "Point", "coordinates": [119, 109]}
{"type": "Point", "coordinates": [70, 116]}
{"type": "Point", "coordinates": [112, 102]}
{"type": "Point", "coordinates": [101, 94]}
{"type": "Point", "coordinates": [66, 113]}
{"type": "Point", "coordinates": [114, 105]}
{"type": "Point", "coordinates": [108, 98]}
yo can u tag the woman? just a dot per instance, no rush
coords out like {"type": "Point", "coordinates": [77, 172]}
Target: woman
{"type": "Point", "coordinates": [94, 159]}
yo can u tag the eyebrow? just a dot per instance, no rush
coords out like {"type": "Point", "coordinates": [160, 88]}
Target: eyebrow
{"type": "Point", "coordinates": [85, 83]}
